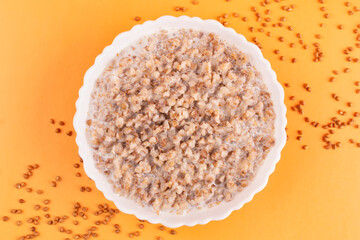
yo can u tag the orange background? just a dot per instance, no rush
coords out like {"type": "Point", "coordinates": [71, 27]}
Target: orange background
{"type": "Point", "coordinates": [46, 47]}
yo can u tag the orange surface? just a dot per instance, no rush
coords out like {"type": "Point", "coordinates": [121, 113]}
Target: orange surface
{"type": "Point", "coordinates": [46, 47]}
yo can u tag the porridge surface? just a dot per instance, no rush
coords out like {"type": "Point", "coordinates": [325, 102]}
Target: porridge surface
{"type": "Point", "coordinates": [180, 120]}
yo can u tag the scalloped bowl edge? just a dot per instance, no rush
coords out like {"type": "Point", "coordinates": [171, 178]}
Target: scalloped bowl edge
{"type": "Point", "coordinates": [194, 217]}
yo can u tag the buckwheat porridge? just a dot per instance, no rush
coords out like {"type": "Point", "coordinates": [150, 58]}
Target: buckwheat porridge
{"type": "Point", "coordinates": [180, 120]}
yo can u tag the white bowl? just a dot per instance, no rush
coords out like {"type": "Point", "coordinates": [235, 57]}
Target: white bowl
{"type": "Point", "coordinates": [194, 217]}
